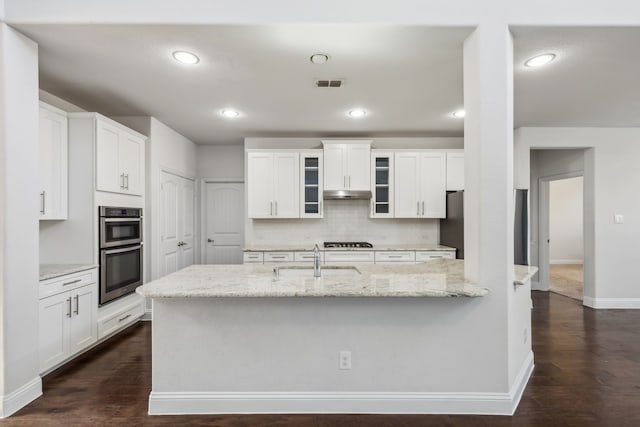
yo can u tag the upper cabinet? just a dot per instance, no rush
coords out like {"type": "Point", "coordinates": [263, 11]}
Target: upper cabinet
{"type": "Point", "coordinates": [381, 184]}
{"type": "Point", "coordinates": [311, 177]}
{"type": "Point", "coordinates": [347, 165]}
{"type": "Point", "coordinates": [52, 155]}
{"type": "Point", "coordinates": [120, 156]}
{"type": "Point", "coordinates": [420, 184]}
{"type": "Point", "coordinates": [273, 184]}
{"type": "Point", "coordinates": [455, 170]}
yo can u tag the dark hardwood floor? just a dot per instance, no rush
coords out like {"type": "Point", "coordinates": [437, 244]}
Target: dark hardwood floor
{"type": "Point", "coordinates": [587, 374]}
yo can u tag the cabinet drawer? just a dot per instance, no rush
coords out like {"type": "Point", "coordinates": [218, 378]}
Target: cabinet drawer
{"type": "Point", "coordinates": [120, 319]}
{"type": "Point", "coordinates": [395, 256]}
{"type": "Point", "coordinates": [422, 256]}
{"type": "Point", "coordinates": [306, 256]}
{"type": "Point", "coordinates": [278, 257]}
{"type": "Point", "coordinates": [349, 257]}
{"type": "Point", "coordinates": [253, 257]}
{"type": "Point", "coordinates": [67, 282]}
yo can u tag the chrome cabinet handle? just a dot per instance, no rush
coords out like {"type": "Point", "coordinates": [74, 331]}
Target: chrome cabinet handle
{"type": "Point", "coordinates": [69, 310]}
{"type": "Point", "coordinates": [210, 240]}
{"type": "Point", "coordinates": [42, 196]}
{"type": "Point", "coordinates": [271, 208]}
{"type": "Point", "coordinates": [127, 176]}
{"type": "Point", "coordinates": [418, 211]}
{"type": "Point", "coordinates": [71, 282]}
{"type": "Point", "coordinates": [423, 208]}
{"type": "Point", "coordinates": [77, 305]}
{"type": "Point", "coordinates": [276, 210]}
{"type": "Point", "coordinates": [122, 319]}
{"type": "Point", "coordinates": [394, 256]}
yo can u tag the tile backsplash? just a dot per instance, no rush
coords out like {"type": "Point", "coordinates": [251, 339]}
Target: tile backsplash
{"type": "Point", "coordinates": [344, 220]}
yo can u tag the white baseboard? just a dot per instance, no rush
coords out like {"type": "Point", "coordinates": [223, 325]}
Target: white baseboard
{"type": "Point", "coordinates": [566, 261]}
{"type": "Point", "coordinates": [605, 303]}
{"type": "Point", "coordinates": [181, 403]}
{"type": "Point", "coordinates": [21, 397]}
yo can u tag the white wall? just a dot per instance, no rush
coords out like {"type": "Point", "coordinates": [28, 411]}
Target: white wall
{"type": "Point", "coordinates": [610, 175]}
{"type": "Point", "coordinates": [565, 221]}
{"type": "Point", "coordinates": [19, 364]}
{"type": "Point", "coordinates": [220, 162]}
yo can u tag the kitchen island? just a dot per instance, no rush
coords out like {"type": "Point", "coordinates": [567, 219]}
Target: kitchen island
{"type": "Point", "coordinates": [238, 339]}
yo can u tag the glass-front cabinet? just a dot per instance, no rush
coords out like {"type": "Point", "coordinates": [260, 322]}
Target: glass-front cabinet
{"type": "Point", "coordinates": [311, 187]}
{"type": "Point", "coordinates": [381, 184]}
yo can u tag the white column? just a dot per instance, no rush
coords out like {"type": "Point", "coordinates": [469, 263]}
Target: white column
{"type": "Point", "coordinates": [488, 144]}
{"type": "Point", "coordinates": [19, 259]}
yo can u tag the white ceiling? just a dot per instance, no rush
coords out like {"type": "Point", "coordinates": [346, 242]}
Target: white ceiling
{"type": "Point", "coordinates": [408, 78]}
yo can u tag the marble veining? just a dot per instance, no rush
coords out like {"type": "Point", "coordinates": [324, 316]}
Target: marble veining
{"type": "Point", "coordinates": [51, 271]}
{"type": "Point", "coordinates": [437, 278]}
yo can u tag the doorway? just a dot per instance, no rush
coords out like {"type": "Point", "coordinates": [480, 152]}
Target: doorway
{"type": "Point", "coordinates": [223, 222]}
{"type": "Point", "coordinates": [564, 232]}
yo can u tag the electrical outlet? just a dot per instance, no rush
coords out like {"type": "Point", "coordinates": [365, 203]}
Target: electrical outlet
{"type": "Point", "coordinates": [345, 359]}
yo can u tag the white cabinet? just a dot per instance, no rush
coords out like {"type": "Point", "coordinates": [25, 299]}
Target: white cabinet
{"type": "Point", "coordinates": [420, 184]}
{"type": "Point", "coordinates": [395, 257]}
{"type": "Point", "coordinates": [422, 256]}
{"type": "Point", "coordinates": [455, 170]}
{"type": "Point", "coordinates": [347, 165]}
{"type": "Point", "coordinates": [253, 258]}
{"type": "Point", "coordinates": [273, 184]}
{"type": "Point", "coordinates": [119, 158]}
{"type": "Point", "coordinates": [68, 319]}
{"type": "Point", "coordinates": [52, 155]}
{"type": "Point", "coordinates": [278, 256]}
{"type": "Point", "coordinates": [381, 184]}
{"type": "Point", "coordinates": [311, 177]}
{"type": "Point", "coordinates": [349, 257]}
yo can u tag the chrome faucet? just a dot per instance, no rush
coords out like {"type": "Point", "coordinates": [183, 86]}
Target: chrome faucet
{"type": "Point", "coordinates": [316, 261]}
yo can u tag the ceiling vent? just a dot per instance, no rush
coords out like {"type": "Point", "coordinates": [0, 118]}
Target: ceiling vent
{"type": "Point", "coordinates": [330, 83]}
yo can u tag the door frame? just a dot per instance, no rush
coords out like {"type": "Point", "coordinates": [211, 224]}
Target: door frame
{"type": "Point", "coordinates": [543, 225]}
{"type": "Point", "coordinates": [203, 209]}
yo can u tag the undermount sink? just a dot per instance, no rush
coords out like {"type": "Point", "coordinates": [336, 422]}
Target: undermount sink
{"type": "Point", "coordinates": [304, 271]}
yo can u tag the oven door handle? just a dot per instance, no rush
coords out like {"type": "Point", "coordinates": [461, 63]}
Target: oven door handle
{"type": "Point", "coordinates": [121, 250]}
{"type": "Point", "coordinates": [130, 219]}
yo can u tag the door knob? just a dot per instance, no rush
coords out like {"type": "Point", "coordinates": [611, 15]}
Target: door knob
{"type": "Point", "coordinates": [210, 240]}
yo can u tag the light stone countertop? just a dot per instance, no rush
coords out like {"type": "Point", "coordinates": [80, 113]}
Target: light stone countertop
{"type": "Point", "coordinates": [523, 273]}
{"type": "Point", "coordinates": [383, 247]}
{"type": "Point", "coordinates": [51, 271]}
{"type": "Point", "coordinates": [437, 278]}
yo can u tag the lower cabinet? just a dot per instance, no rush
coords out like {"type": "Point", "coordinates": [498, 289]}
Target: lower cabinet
{"type": "Point", "coordinates": [68, 324]}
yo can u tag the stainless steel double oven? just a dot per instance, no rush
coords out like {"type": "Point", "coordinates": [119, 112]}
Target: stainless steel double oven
{"type": "Point", "coordinates": [120, 251]}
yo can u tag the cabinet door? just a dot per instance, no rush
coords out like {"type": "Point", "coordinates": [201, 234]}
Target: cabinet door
{"type": "Point", "coordinates": [335, 175]}
{"type": "Point", "coordinates": [83, 323]}
{"type": "Point", "coordinates": [260, 185]}
{"type": "Point", "coordinates": [358, 167]}
{"type": "Point", "coordinates": [406, 188]}
{"type": "Point", "coordinates": [455, 171]}
{"type": "Point", "coordinates": [433, 185]}
{"type": "Point", "coordinates": [311, 185]}
{"type": "Point", "coordinates": [381, 184]}
{"type": "Point", "coordinates": [109, 177]}
{"type": "Point", "coordinates": [286, 185]}
{"type": "Point", "coordinates": [52, 154]}
{"type": "Point", "coordinates": [54, 315]}
{"type": "Point", "coordinates": [130, 158]}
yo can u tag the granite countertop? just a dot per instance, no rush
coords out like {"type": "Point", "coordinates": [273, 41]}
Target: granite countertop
{"type": "Point", "coordinates": [523, 273]}
{"type": "Point", "coordinates": [437, 278]}
{"type": "Point", "coordinates": [50, 271]}
{"type": "Point", "coordinates": [382, 247]}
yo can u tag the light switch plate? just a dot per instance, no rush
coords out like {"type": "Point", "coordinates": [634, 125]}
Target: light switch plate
{"type": "Point", "coordinates": [618, 219]}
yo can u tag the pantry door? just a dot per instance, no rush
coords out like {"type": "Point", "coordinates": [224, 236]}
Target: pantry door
{"type": "Point", "coordinates": [177, 232]}
{"type": "Point", "coordinates": [224, 222]}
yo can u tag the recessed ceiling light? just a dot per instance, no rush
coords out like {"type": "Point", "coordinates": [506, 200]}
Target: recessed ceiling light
{"type": "Point", "coordinates": [229, 113]}
{"type": "Point", "coordinates": [358, 112]}
{"type": "Point", "coordinates": [458, 114]}
{"type": "Point", "coordinates": [185, 57]}
{"type": "Point", "coordinates": [540, 60]}
{"type": "Point", "coordinates": [319, 58]}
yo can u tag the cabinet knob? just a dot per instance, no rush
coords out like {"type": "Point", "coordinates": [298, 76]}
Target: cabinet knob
{"type": "Point", "coordinates": [210, 240]}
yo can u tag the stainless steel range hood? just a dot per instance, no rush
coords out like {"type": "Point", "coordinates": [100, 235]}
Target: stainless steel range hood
{"type": "Point", "coordinates": [346, 195]}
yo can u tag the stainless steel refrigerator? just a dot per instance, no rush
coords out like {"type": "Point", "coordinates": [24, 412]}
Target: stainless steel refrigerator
{"type": "Point", "coordinates": [452, 228]}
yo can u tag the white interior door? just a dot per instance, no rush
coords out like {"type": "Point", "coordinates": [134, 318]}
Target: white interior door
{"type": "Point", "coordinates": [186, 230]}
{"type": "Point", "coordinates": [224, 223]}
{"type": "Point", "coordinates": [169, 238]}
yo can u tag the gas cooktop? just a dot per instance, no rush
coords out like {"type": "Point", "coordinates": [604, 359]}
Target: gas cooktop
{"type": "Point", "coordinates": [347, 245]}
